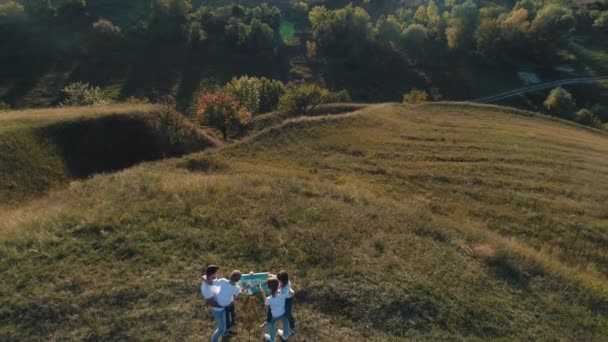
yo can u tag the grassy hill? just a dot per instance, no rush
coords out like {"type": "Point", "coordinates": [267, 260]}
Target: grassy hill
{"type": "Point", "coordinates": [438, 221]}
{"type": "Point", "coordinates": [43, 149]}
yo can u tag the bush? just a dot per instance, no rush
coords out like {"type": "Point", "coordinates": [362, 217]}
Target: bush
{"type": "Point", "coordinates": [560, 103]}
{"type": "Point", "coordinates": [4, 106]}
{"type": "Point", "coordinates": [222, 111]}
{"type": "Point", "coordinates": [258, 95]}
{"type": "Point", "coordinates": [82, 94]}
{"type": "Point", "coordinates": [246, 90]}
{"type": "Point", "coordinates": [415, 96]}
{"type": "Point", "coordinates": [270, 94]}
{"type": "Point", "coordinates": [303, 98]}
{"type": "Point", "coordinates": [138, 100]}
{"type": "Point", "coordinates": [338, 96]}
{"type": "Point", "coordinates": [588, 118]}
{"type": "Point", "coordinates": [106, 28]}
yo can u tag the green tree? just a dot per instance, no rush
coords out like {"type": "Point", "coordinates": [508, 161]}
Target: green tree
{"type": "Point", "coordinates": [588, 118]}
{"type": "Point", "coordinates": [222, 111]}
{"type": "Point", "coordinates": [462, 24]}
{"type": "Point", "coordinates": [601, 23]}
{"type": "Point", "coordinates": [488, 38]}
{"type": "Point", "coordinates": [260, 37]}
{"type": "Point", "coordinates": [560, 103]}
{"type": "Point", "coordinates": [414, 39]}
{"type": "Point", "coordinates": [270, 94]}
{"type": "Point", "coordinates": [420, 15]}
{"type": "Point", "coordinates": [246, 90]}
{"type": "Point", "coordinates": [303, 98]}
{"type": "Point", "coordinates": [554, 23]}
{"type": "Point", "coordinates": [388, 31]}
{"type": "Point", "coordinates": [433, 17]}
{"type": "Point", "coordinates": [341, 32]}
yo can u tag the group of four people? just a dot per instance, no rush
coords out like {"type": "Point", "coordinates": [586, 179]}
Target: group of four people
{"type": "Point", "coordinates": [220, 293]}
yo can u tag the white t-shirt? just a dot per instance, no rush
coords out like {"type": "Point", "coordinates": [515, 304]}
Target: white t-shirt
{"type": "Point", "coordinates": [227, 292]}
{"type": "Point", "coordinates": [287, 289]}
{"type": "Point", "coordinates": [277, 303]}
{"type": "Point", "coordinates": [211, 291]}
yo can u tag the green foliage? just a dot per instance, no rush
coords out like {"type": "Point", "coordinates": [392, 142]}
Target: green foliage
{"type": "Point", "coordinates": [338, 96]}
{"type": "Point", "coordinates": [82, 94]}
{"type": "Point", "coordinates": [415, 96]}
{"type": "Point", "coordinates": [560, 103]}
{"type": "Point", "coordinates": [488, 38]}
{"type": "Point", "coordinates": [554, 23]}
{"type": "Point", "coordinates": [342, 31]}
{"type": "Point", "coordinates": [303, 98]}
{"type": "Point", "coordinates": [106, 28]}
{"type": "Point", "coordinates": [388, 31]}
{"type": "Point", "coordinates": [11, 12]}
{"type": "Point", "coordinates": [270, 93]}
{"type": "Point", "coordinates": [258, 95]}
{"type": "Point", "coordinates": [414, 38]}
{"type": "Point", "coordinates": [463, 21]}
{"type": "Point", "coordinates": [222, 111]}
{"type": "Point", "coordinates": [601, 23]}
{"type": "Point", "coordinates": [246, 90]}
{"type": "Point", "coordinates": [4, 106]}
{"type": "Point", "coordinates": [588, 118]}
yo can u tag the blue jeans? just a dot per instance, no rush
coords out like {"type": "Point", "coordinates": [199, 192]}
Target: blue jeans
{"type": "Point", "coordinates": [272, 327]}
{"type": "Point", "coordinates": [220, 319]}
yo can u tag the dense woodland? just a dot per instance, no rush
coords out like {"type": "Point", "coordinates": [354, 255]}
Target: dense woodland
{"type": "Point", "coordinates": [375, 49]}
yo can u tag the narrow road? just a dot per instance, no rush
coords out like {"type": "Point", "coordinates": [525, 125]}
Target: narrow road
{"type": "Point", "coordinates": [540, 86]}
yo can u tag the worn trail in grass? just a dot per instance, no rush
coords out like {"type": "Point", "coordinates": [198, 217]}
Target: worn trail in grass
{"type": "Point", "coordinates": [435, 221]}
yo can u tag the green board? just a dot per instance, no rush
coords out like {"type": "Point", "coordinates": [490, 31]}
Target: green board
{"type": "Point", "coordinates": [254, 280]}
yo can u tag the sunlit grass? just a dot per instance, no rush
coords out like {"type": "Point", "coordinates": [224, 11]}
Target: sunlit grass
{"type": "Point", "coordinates": [432, 222]}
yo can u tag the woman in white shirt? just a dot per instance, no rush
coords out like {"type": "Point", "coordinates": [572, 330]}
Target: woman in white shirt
{"type": "Point", "coordinates": [276, 303]}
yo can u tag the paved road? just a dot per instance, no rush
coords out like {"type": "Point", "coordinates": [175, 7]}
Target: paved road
{"type": "Point", "coordinates": [540, 86]}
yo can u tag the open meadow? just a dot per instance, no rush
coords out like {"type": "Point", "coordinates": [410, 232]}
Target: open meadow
{"type": "Point", "coordinates": [430, 222]}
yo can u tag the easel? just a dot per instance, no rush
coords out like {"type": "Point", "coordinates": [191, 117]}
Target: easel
{"type": "Point", "coordinates": [251, 317]}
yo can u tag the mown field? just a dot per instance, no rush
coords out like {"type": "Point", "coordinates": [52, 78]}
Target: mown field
{"type": "Point", "coordinates": [438, 221]}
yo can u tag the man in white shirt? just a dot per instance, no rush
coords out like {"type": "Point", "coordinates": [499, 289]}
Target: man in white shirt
{"type": "Point", "coordinates": [210, 289]}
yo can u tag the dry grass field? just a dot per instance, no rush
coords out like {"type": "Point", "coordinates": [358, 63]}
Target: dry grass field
{"type": "Point", "coordinates": [430, 222]}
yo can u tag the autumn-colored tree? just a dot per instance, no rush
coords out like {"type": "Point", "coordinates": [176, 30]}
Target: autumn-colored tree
{"type": "Point", "coordinates": [222, 111]}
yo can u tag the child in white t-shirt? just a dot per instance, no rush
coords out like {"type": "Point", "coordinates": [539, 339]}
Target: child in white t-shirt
{"type": "Point", "coordinates": [276, 303]}
{"type": "Point", "coordinates": [229, 291]}
{"type": "Point", "coordinates": [285, 287]}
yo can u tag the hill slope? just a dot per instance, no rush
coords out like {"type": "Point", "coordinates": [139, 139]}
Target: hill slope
{"type": "Point", "coordinates": [435, 221]}
{"type": "Point", "coordinates": [43, 149]}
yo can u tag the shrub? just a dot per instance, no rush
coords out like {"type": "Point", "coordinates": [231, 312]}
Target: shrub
{"type": "Point", "coordinates": [137, 100]}
{"type": "Point", "coordinates": [588, 118]}
{"type": "Point", "coordinates": [560, 103]}
{"type": "Point", "coordinates": [258, 95]}
{"type": "Point", "coordinates": [171, 123]}
{"type": "Point", "coordinates": [4, 106]}
{"type": "Point", "coordinates": [303, 98]}
{"type": "Point", "coordinates": [106, 28]}
{"type": "Point", "coordinates": [246, 90]}
{"type": "Point", "coordinates": [82, 94]}
{"type": "Point", "coordinates": [415, 96]}
{"type": "Point", "coordinates": [270, 94]}
{"type": "Point", "coordinates": [338, 96]}
{"type": "Point", "coordinates": [222, 111]}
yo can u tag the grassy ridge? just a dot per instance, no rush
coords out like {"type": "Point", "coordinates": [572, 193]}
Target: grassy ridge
{"type": "Point", "coordinates": [41, 150]}
{"type": "Point", "coordinates": [432, 222]}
